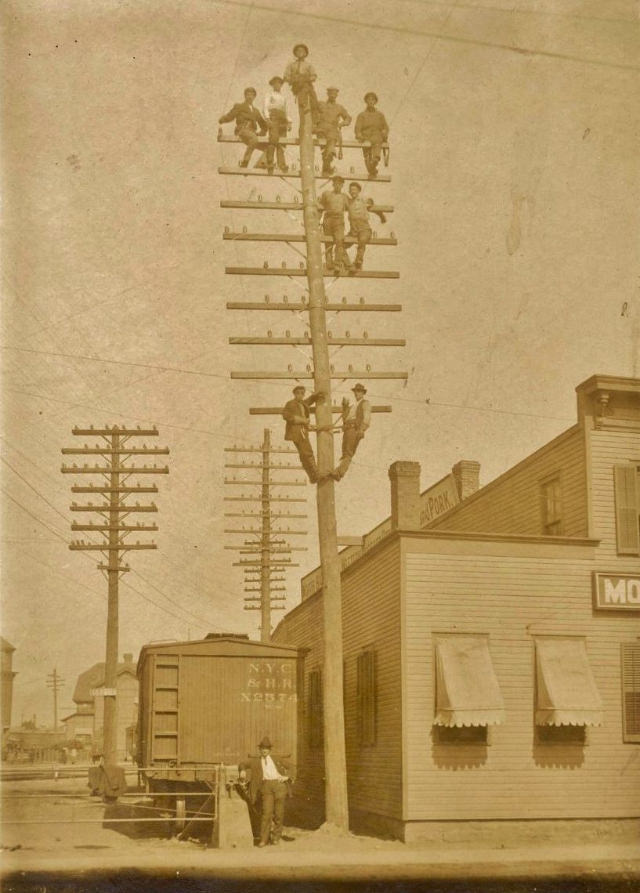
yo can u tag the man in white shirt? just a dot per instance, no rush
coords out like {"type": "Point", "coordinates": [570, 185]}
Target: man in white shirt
{"type": "Point", "coordinates": [278, 121]}
{"type": "Point", "coordinates": [356, 418]}
{"type": "Point", "coordinates": [269, 780]}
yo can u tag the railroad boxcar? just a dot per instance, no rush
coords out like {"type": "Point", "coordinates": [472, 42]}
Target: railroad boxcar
{"type": "Point", "coordinates": [208, 702]}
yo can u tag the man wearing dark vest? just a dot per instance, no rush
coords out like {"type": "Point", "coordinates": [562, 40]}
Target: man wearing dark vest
{"type": "Point", "coordinates": [296, 414]}
{"type": "Point", "coordinates": [269, 781]}
{"type": "Point", "coordinates": [247, 119]}
{"type": "Point", "coordinates": [356, 418]}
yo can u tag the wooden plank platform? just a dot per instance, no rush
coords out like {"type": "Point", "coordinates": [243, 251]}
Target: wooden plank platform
{"type": "Point", "coordinates": [304, 305]}
{"type": "Point", "coordinates": [343, 342]}
{"type": "Point", "coordinates": [277, 410]}
{"type": "Point", "coordinates": [294, 376]}
{"type": "Point", "coordinates": [295, 175]}
{"type": "Point", "coordinates": [294, 141]}
{"type": "Point", "coordinates": [280, 237]}
{"type": "Point", "coordinates": [293, 271]}
{"type": "Point", "coordinates": [285, 206]}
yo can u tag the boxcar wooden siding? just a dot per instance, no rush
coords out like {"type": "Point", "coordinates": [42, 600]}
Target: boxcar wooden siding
{"type": "Point", "coordinates": [513, 502]}
{"type": "Point", "coordinates": [371, 621]}
{"type": "Point", "coordinates": [513, 597]}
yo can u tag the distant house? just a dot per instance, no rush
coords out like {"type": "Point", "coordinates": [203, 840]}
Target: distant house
{"type": "Point", "coordinates": [7, 683]}
{"type": "Point", "coordinates": [88, 720]}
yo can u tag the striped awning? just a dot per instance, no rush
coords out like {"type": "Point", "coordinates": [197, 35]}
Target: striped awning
{"type": "Point", "coordinates": [566, 690]}
{"type": "Point", "coordinates": [467, 690]}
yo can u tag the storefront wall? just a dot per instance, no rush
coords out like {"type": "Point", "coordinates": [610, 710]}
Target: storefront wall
{"type": "Point", "coordinates": [512, 592]}
{"type": "Point", "coordinates": [371, 622]}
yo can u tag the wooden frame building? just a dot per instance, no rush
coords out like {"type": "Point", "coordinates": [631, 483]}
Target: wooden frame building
{"type": "Point", "coordinates": [492, 643]}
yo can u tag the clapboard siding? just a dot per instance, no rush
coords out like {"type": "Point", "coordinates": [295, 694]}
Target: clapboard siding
{"type": "Point", "coordinates": [371, 620]}
{"type": "Point", "coordinates": [512, 503]}
{"type": "Point", "coordinates": [512, 599]}
{"type": "Point", "coordinates": [609, 448]}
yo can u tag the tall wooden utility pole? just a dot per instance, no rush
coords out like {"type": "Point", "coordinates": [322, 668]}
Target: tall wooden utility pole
{"type": "Point", "coordinates": [55, 683]}
{"type": "Point", "coordinates": [312, 309]}
{"type": "Point", "coordinates": [114, 448]}
{"type": "Point", "coordinates": [271, 545]}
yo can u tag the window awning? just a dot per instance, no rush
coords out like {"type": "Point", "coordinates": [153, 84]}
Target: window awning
{"type": "Point", "coordinates": [566, 690]}
{"type": "Point", "coordinates": [467, 690]}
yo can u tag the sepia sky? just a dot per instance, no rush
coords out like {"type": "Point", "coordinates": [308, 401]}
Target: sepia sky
{"type": "Point", "coordinates": [515, 178]}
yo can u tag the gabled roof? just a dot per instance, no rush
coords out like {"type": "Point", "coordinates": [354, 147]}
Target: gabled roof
{"type": "Point", "coordinates": [94, 678]}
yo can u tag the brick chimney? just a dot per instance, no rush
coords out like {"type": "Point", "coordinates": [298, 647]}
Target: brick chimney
{"type": "Point", "coordinates": [405, 495]}
{"type": "Point", "coordinates": [466, 474]}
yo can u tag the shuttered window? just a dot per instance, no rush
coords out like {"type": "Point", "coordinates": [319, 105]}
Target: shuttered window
{"type": "Point", "coordinates": [367, 698]}
{"type": "Point", "coordinates": [551, 494]}
{"type": "Point", "coordinates": [627, 509]}
{"type": "Point", "coordinates": [631, 692]}
{"type": "Point", "coordinates": [315, 709]}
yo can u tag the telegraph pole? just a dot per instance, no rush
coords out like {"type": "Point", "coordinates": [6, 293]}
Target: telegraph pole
{"type": "Point", "coordinates": [312, 309]}
{"type": "Point", "coordinates": [56, 683]}
{"type": "Point", "coordinates": [272, 545]}
{"type": "Point", "coordinates": [114, 448]}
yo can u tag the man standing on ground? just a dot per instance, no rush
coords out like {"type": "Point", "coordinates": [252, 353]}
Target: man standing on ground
{"type": "Point", "coordinates": [296, 414]}
{"type": "Point", "coordinates": [334, 203]}
{"type": "Point", "coordinates": [279, 122]}
{"type": "Point", "coordinates": [356, 419]}
{"type": "Point", "coordinates": [247, 119]}
{"type": "Point", "coordinates": [268, 780]}
{"type": "Point", "coordinates": [331, 118]}
{"type": "Point", "coordinates": [359, 227]}
{"type": "Point", "coordinates": [372, 125]}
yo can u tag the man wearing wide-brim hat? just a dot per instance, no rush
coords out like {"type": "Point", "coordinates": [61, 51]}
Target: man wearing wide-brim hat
{"type": "Point", "coordinates": [279, 122]}
{"type": "Point", "coordinates": [356, 418]}
{"type": "Point", "coordinates": [301, 75]}
{"type": "Point", "coordinates": [372, 125]}
{"type": "Point", "coordinates": [269, 783]}
{"type": "Point", "coordinates": [334, 204]}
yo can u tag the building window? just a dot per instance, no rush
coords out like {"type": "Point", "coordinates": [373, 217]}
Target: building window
{"type": "Point", "coordinates": [626, 480]}
{"type": "Point", "coordinates": [468, 697]}
{"type": "Point", "coordinates": [551, 494]}
{"type": "Point", "coordinates": [566, 697]}
{"type": "Point", "coordinates": [315, 709]}
{"type": "Point", "coordinates": [367, 697]}
{"type": "Point", "coordinates": [631, 692]}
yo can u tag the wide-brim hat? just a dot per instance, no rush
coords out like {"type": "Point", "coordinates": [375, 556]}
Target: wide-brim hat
{"type": "Point", "coordinates": [304, 47]}
{"type": "Point", "coordinates": [332, 90]}
{"type": "Point", "coordinates": [371, 93]}
{"type": "Point", "coordinates": [276, 77]}
{"type": "Point", "coordinates": [359, 387]}
{"type": "Point", "coordinates": [266, 742]}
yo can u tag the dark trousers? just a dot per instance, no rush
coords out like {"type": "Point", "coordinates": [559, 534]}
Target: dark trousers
{"type": "Point", "coordinates": [350, 440]}
{"type": "Point", "coordinates": [273, 797]}
{"type": "Point", "coordinates": [361, 231]}
{"type": "Point", "coordinates": [250, 138]}
{"type": "Point", "coordinates": [333, 226]}
{"type": "Point", "coordinates": [373, 153]}
{"type": "Point", "coordinates": [305, 451]}
{"type": "Point", "coordinates": [331, 135]}
{"type": "Point", "coordinates": [277, 130]}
